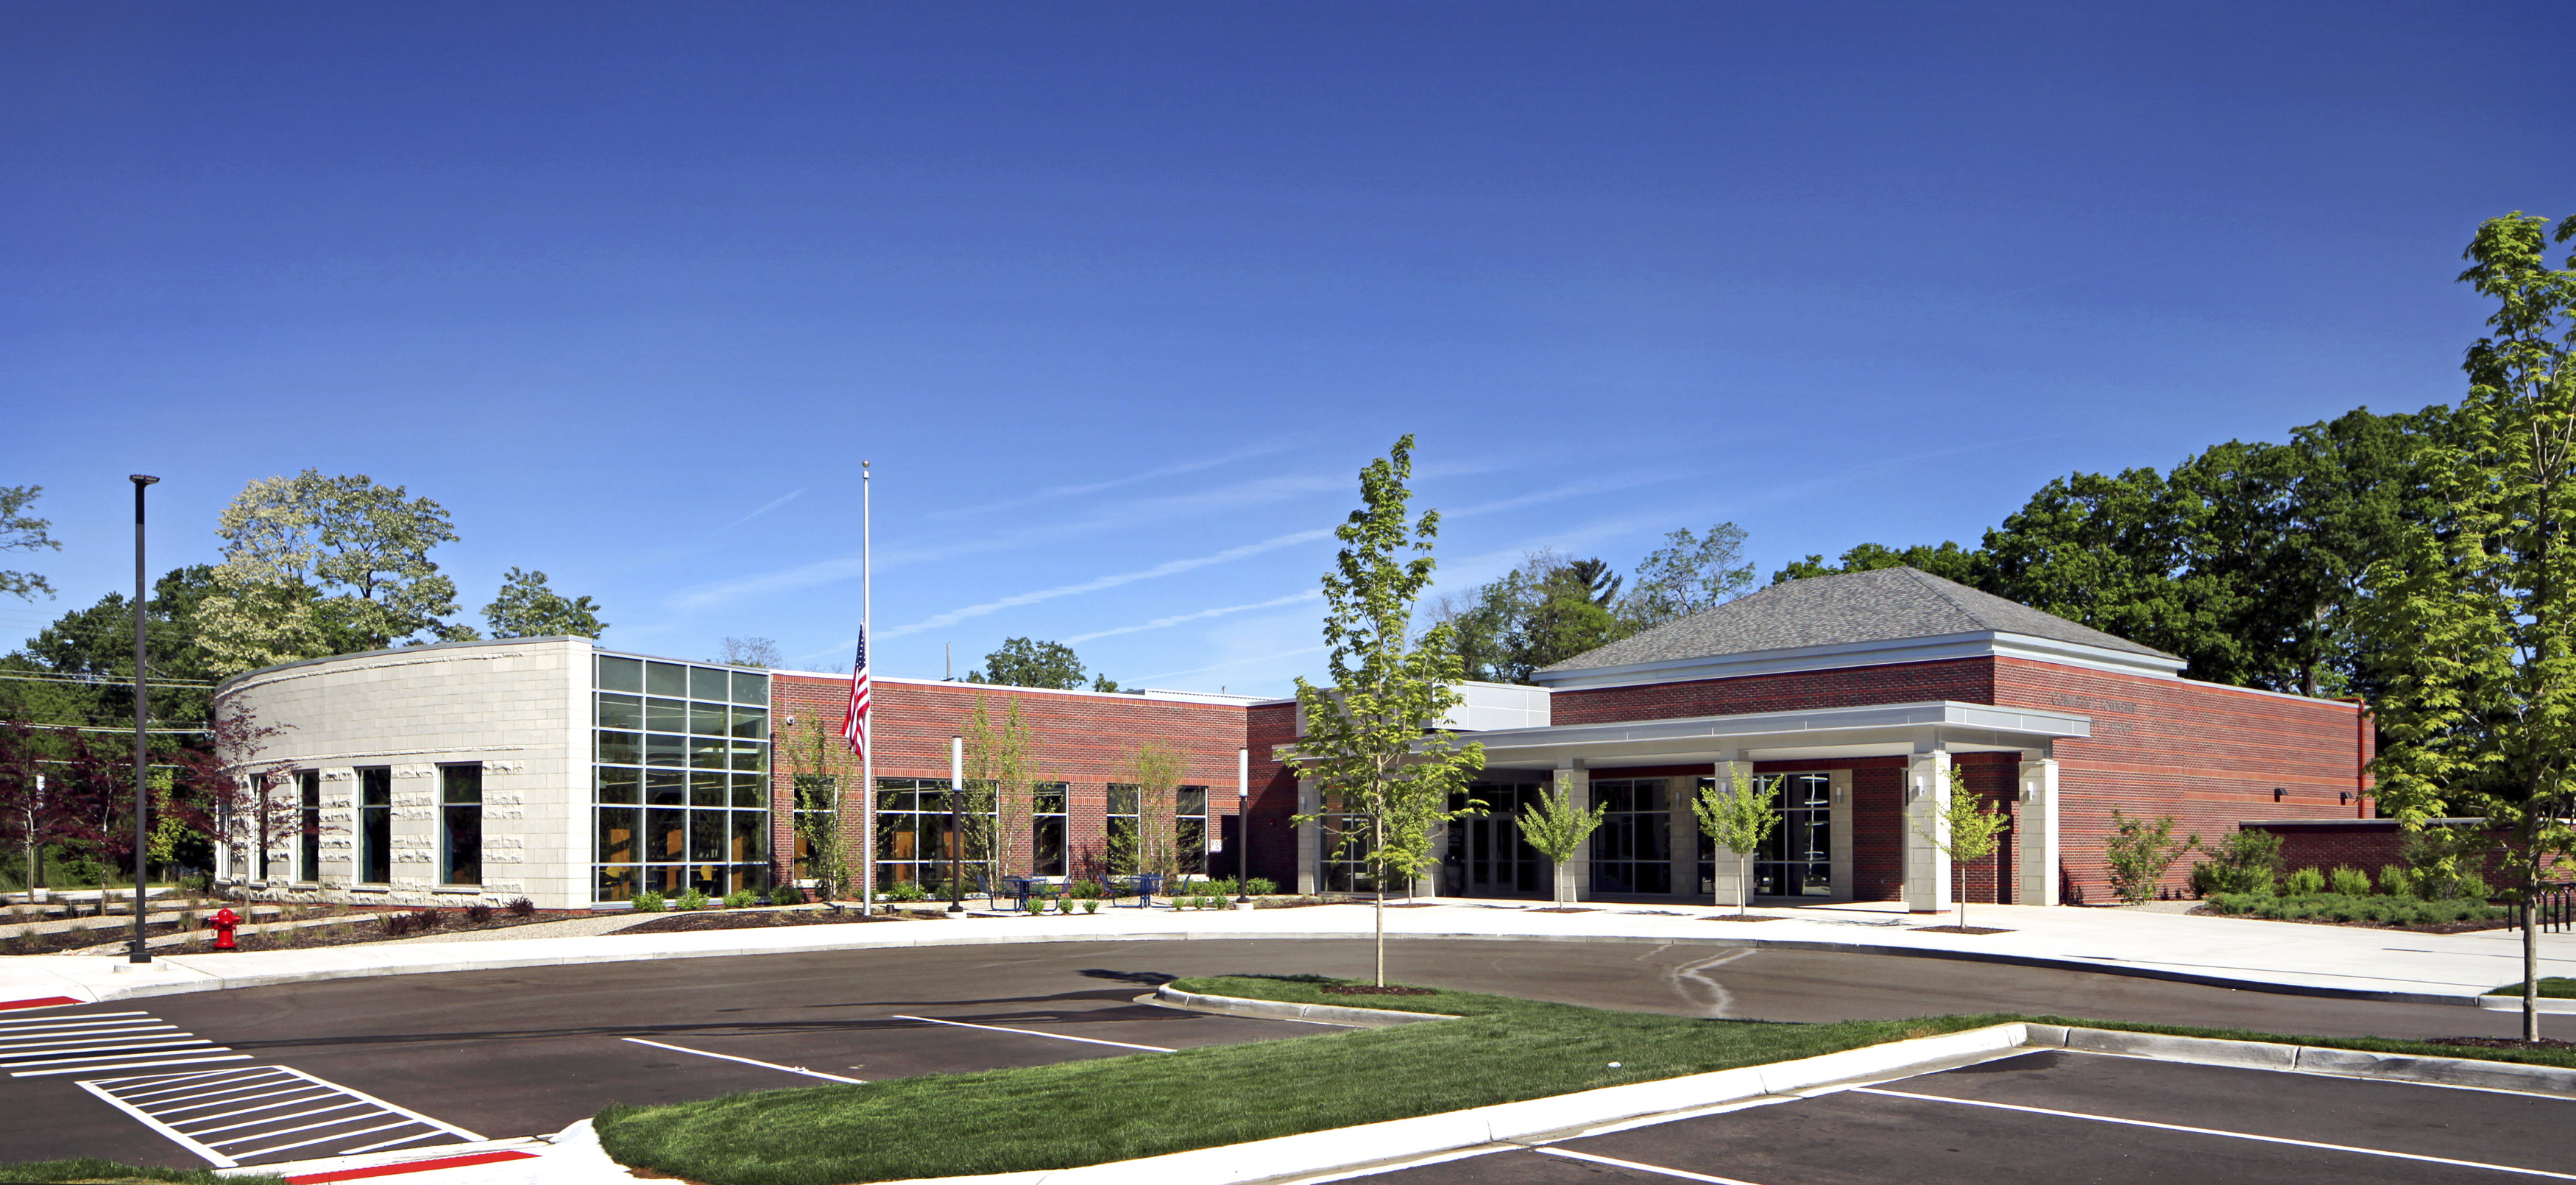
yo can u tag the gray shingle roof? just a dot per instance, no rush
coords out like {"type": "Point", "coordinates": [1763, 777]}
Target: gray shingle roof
{"type": "Point", "coordinates": [1883, 605]}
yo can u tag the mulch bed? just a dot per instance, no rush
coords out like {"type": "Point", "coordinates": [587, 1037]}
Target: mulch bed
{"type": "Point", "coordinates": [2502, 1042]}
{"type": "Point", "coordinates": [2203, 911]}
{"type": "Point", "coordinates": [1563, 909]}
{"type": "Point", "coordinates": [357, 928]}
{"type": "Point", "coordinates": [1369, 989]}
{"type": "Point", "coordinates": [748, 919]}
{"type": "Point", "coordinates": [1957, 930]}
{"type": "Point", "coordinates": [1750, 917]}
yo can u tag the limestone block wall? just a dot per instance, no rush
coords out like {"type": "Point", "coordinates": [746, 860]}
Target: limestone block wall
{"type": "Point", "coordinates": [518, 708]}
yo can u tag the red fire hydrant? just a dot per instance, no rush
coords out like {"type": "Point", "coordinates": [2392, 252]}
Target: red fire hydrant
{"type": "Point", "coordinates": [224, 921]}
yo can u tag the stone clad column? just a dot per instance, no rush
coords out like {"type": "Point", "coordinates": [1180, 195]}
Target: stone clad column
{"type": "Point", "coordinates": [1927, 798]}
{"type": "Point", "coordinates": [1576, 781]}
{"type": "Point", "coordinates": [1838, 844]}
{"type": "Point", "coordinates": [1727, 869]}
{"type": "Point", "coordinates": [2035, 831]}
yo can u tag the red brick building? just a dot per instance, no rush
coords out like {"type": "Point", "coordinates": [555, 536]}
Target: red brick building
{"type": "Point", "coordinates": [1858, 693]}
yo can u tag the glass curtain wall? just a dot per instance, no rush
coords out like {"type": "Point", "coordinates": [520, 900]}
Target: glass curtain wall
{"type": "Point", "coordinates": [1797, 861]}
{"type": "Point", "coordinates": [1632, 852]}
{"type": "Point", "coordinates": [681, 776]}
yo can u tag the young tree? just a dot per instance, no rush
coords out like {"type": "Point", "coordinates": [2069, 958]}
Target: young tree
{"type": "Point", "coordinates": [1372, 739]}
{"type": "Point", "coordinates": [822, 773]}
{"type": "Point", "coordinates": [1001, 778]}
{"type": "Point", "coordinates": [2478, 617]}
{"type": "Point", "coordinates": [21, 531]}
{"type": "Point", "coordinates": [1156, 769]}
{"type": "Point", "coordinates": [527, 608]}
{"type": "Point", "coordinates": [1972, 826]}
{"type": "Point", "coordinates": [2138, 852]}
{"type": "Point", "coordinates": [1740, 818]}
{"type": "Point", "coordinates": [1558, 829]}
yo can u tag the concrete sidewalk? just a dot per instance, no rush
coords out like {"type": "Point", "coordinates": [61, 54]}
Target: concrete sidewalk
{"type": "Point", "coordinates": [2272, 956]}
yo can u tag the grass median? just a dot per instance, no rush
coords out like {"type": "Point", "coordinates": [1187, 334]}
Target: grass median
{"type": "Point", "coordinates": [92, 1171]}
{"type": "Point", "coordinates": [1498, 1050]}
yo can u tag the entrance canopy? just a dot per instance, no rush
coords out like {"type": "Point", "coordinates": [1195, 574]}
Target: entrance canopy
{"type": "Point", "coordinates": [1874, 730]}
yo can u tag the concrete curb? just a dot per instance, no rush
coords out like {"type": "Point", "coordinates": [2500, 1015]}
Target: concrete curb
{"type": "Point", "coordinates": [2311, 1059]}
{"type": "Point", "coordinates": [1334, 1014]}
{"type": "Point", "coordinates": [600, 949]}
{"type": "Point", "coordinates": [1353, 1149]}
{"type": "Point", "coordinates": [2514, 1004]}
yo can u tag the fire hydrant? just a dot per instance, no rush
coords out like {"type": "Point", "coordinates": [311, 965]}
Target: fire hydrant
{"type": "Point", "coordinates": [224, 921]}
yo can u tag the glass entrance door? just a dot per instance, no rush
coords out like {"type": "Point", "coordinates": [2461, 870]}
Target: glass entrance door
{"type": "Point", "coordinates": [1487, 857]}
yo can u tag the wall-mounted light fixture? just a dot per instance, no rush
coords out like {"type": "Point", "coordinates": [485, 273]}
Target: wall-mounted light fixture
{"type": "Point", "coordinates": [2279, 793]}
{"type": "Point", "coordinates": [2343, 798]}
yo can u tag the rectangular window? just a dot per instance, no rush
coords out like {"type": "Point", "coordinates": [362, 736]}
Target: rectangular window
{"type": "Point", "coordinates": [308, 823]}
{"type": "Point", "coordinates": [1047, 829]}
{"type": "Point", "coordinates": [376, 826]}
{"type": "Point", "coordinates": [1632, 850]}
{"type": "Point", "coordinates": [1124, 856]}
{"type": "Point", "coordinates": [1797, 860]}
{"type": "Point", "coordinates": [1189, 830]}
{"type": "Point", "coordinates": [460, 824]}
{"type": "Point", "coordinates": [689, 746]}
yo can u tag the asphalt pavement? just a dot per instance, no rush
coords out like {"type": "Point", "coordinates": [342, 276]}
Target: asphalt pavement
{"type": "Point", "coordinates": [523, 1052]}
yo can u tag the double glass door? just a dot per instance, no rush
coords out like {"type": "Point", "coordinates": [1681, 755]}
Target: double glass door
{"type": "Point", "coordinates": [1487, 856]}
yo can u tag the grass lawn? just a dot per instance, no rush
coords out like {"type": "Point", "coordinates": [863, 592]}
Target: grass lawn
{"type": "Point", "coordinates": [92, 1171]}
{"type": "Point", "coordinates": [1498, 1050]}
{"type": "Point", "coordinates": [2555, 987]}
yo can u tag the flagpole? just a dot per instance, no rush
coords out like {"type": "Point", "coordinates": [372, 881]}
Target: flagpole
{"type": "Point", "coordinates": [868, 735]}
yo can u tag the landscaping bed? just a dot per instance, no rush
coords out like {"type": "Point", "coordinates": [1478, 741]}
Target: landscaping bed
{"type": "Point", "coordinates": [2374, 911]}
{"type": "Point", "coordinates": [93, 1171]}
{"type": "Point", "coordinates": [756, 919]}
{"type": "Point", "coordinates": [352, 927]}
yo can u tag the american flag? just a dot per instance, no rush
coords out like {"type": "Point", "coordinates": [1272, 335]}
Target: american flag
{"type": "Point", "coordinates": [854, 726]}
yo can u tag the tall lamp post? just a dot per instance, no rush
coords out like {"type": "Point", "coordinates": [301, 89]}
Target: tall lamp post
{"type": "Point", "coordinates": [1242, 825]}
{"type": "Point", "coordinates": [956, 823]}
{"type": "Point", "coordinates": [137, 953]}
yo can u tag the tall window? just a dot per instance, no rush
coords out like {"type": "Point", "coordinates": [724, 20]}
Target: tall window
{"type": "Point", "coordinates": [1189, 829]}
{"type": "Point", "coordinates": [1046, 829]}
{"type": "Point", "coordinates": [308, 823]}
{"type": "Point", "coordinates": [817, 799]}
{"type": "Point", "coordinates": [1125, 842]}
{"type": "Point", "coordinates": [1797, 860]}
{"type": "Point", "coordinates": [376, 826]}
{"type": "Point", "coordinates": [272, 824]}
{"type": "Point", "coordinates": [681, 778]}
{"type": "Point", "coordinates": [1632, 851]}
{"type": "Point", "coordinates": [917, 833]}
{"type": "Point", "coordinates": [1347, 846]}
{"type": "Point", "coordinates": [460, 824]}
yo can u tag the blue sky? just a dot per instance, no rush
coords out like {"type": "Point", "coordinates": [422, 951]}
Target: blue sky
{"type": "Point", "coordinates": [1118, 298]}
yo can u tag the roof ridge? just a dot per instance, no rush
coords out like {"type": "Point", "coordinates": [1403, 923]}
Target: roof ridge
{"type": "Point", "coordinates": [1936, 585]}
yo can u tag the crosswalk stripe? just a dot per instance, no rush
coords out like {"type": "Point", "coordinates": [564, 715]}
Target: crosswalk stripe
{"type": "Point", "coordinates": [85, 1018]}
{"type": "Point", "coordinates": [251, 1113]}
{"type": "Point", "coordinates": [132, 1065]}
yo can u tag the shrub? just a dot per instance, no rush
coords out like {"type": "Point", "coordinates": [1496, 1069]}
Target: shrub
{"type": "Point", "coordinates": [1260, 886]}
{"type": "Point", "coordinates": [1086, 890]}
{"type": "Point", "coordinates": [2349, 881]}
{"type": "Point", "coordinates": [2396, 881]}
{"type": "Point", "coordinates": [2245, 862]}
{"type": "Point", "coordinates": [1220, 887]}
{"type": "Point", "coordinates": [1090, 905]}
{"type": "Point", "coordinates": [428, 919]}
{"type": "Point", "coordinates": [907, 891]}
{"type": "Point", "coordinates": [395, 924]}
{"type": "Point", "coordinates": [741, 899]}
{"type": "Point", "coordinates": [2306, 882]}
{"type": "Point", "coordinates": [522, 907]}
{"type": "Point", "coordinates": [478, 912]}
{"type": "Point", "coordinates": [2138, 853]}
{"type": "Point", "coordinates": [1064, 905]}
{"type": "Point", "coordinates": [2339, 907]}
{"type": "Point", "coordinates": [786, 895]}
{"type": "Point", "coordinates": [693, 899]}
{"type": "Point", "coordinates": [650, 901]}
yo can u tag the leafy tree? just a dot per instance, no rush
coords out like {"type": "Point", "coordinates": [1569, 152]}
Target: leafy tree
{"type": "Point", "coordinates": [750, 652]}
{"type": "Point", "coordinates": [2138, 852]}
{"type": "Point", "coordinates": [2477, 614]}
{"type": "Point", "coordinates": [1021, 662]}
{"type": "Point", "coordinates": [1148, 844]}
{"type": "Point", "coordinates": [823, 773]}
{"type": "Point", "coordinates": [1001, 779]}
{"type": "Point", "coordinates": [1948, 561]}
{"type": "Point", "coordinates": [318, 565]}
{"type": "Point", "coordinates": [527, 608]}
{"type": "Point", "coordinates": [1371, 740]}
{"type": "Point", "coordinates": [1969, 830]}
{"type": "Point", "coordinates": [80, 669]}
{"type": "Point", "coordinates": [1559, 829]}
{"type": "Point", "coordinates": [1568, 618]}
{"type": "Point", "coordinates": [1739, 818]}
{"type": "Point", "coordinates": [20, 531]}
{"type": "Point", "coordinates": [1688, 574]}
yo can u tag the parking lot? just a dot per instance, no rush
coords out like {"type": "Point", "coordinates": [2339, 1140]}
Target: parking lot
{"type": "Point", "coordinates": [2072, 1117]}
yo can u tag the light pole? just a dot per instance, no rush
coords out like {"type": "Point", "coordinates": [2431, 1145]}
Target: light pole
{"type": "Point", "coordinates": [1242, 825]}
{"type": "Point", "coordinates": [137, 952]}
{"type": "Point", "coordinates": [956, 823]}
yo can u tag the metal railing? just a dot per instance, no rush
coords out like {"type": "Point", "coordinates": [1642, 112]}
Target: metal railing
{"type": "Point", "coordinates": [2554, 909]}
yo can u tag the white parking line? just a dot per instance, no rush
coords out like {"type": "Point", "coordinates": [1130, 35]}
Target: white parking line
{"type": "Point", "coordinates": [750, 1062]}
{"type": "Point", "coordinates": [932, 1020]}
{"type": "Point", "coordinates": [1614, 1162]}
{"type": "Point", "coordinates": [2211, 1131]}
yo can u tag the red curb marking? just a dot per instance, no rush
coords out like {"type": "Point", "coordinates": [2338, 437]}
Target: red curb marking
{"type": "Point", "coordinates": [47, 1002]}
{"type": "Point", "coordinates": [413, 1166]}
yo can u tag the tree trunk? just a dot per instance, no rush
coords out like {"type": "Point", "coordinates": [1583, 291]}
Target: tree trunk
{"type": "Point", "coordinates": [1743, 886]}
{"type": "Point", "coordinates": [1377, 833]}
{"type": "Point", "coordinates": [2531, 957]}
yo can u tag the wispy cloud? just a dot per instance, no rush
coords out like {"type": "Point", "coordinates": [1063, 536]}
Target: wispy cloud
{"type": "Point", "coordinates": [1572, 489]}
{"type": "Point", "coordinates": [1058, 493]}
{"type": "Point", "coordinates": [1168, 568]}
{"type": "Point", "coordinates": [1235, 662]}
{"type": "Point", "coordinates": [1201, 615]}
{"type": "Point", "coordinates": [765, 508]}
